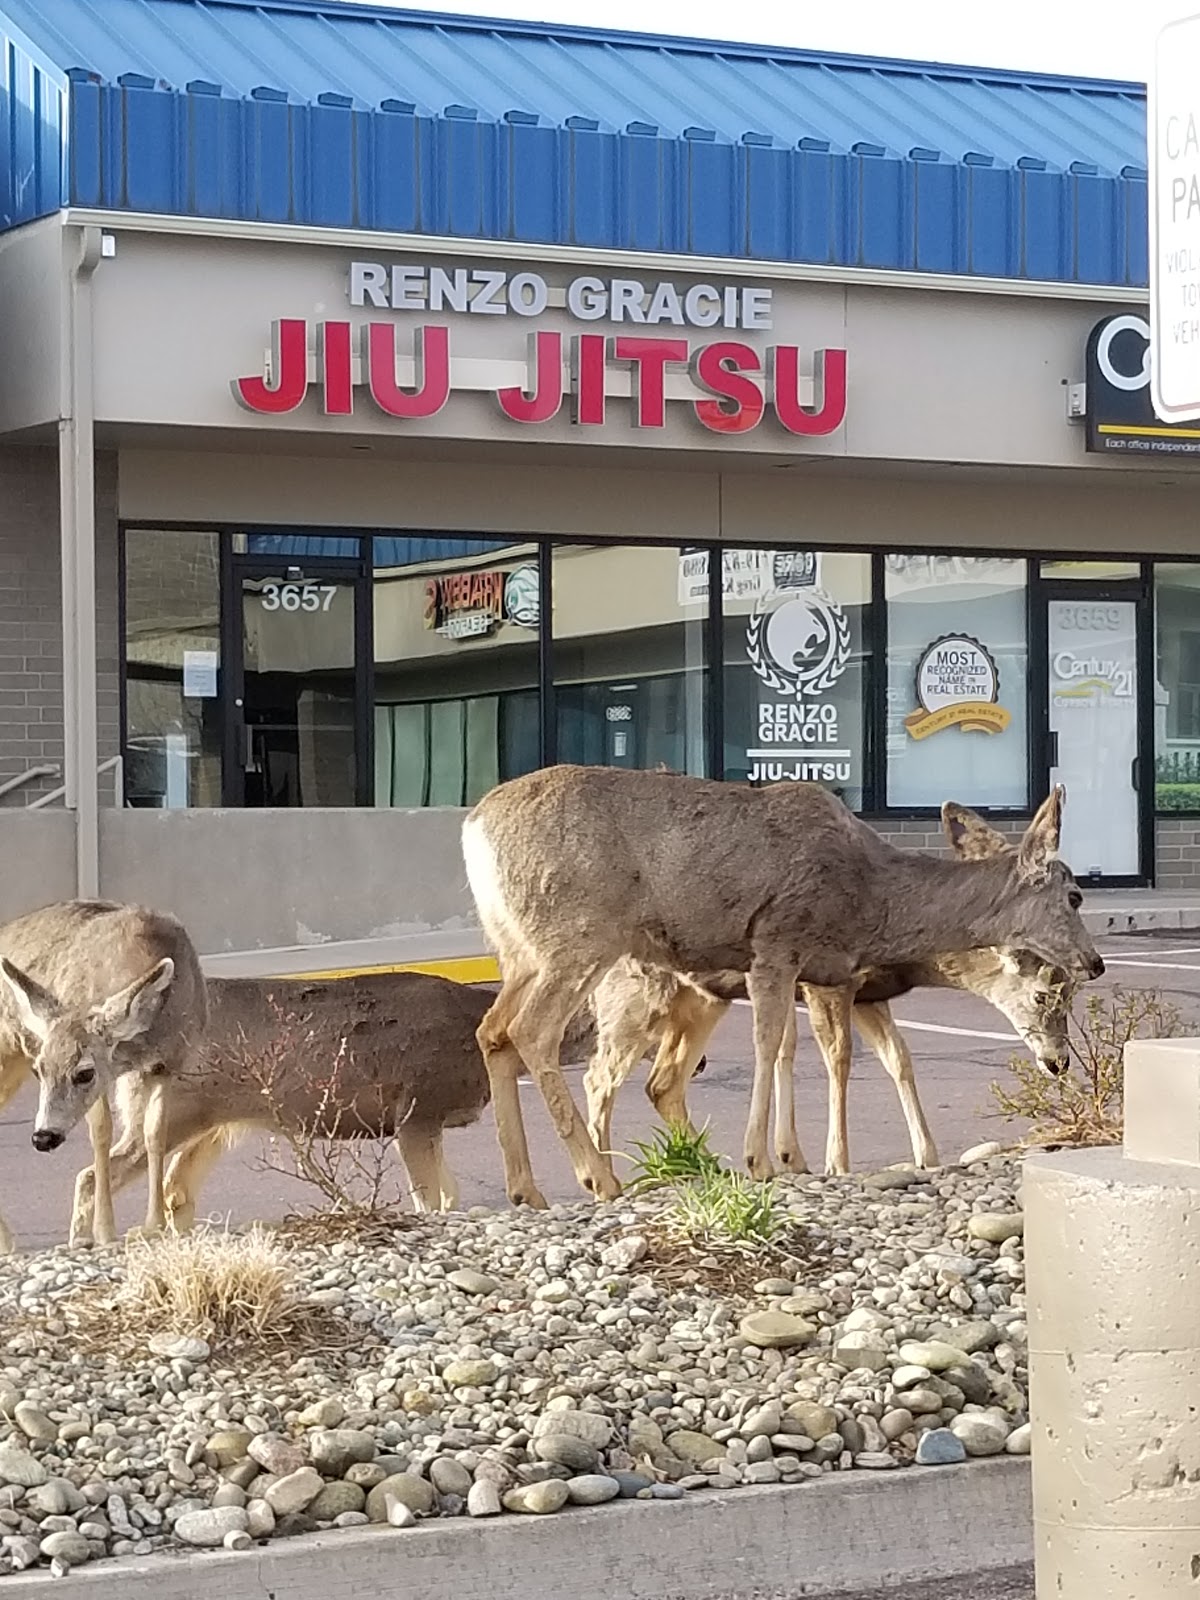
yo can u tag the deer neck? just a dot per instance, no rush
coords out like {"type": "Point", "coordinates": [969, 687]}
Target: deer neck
{"type": "Point", "coordinates": [934, 906]}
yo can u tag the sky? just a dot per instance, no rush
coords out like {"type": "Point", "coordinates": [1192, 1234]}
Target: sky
{"type": "Point", "coordinates": [1089, 38]}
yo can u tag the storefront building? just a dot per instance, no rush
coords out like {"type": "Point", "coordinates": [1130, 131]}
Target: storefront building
{"type": "Point", "coordinates": [394, 405]}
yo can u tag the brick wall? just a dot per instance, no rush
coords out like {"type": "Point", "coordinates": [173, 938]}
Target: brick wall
{"type": "Point", "coordinates": [926, 833]}
{"type": "Point", "coordinates": [31, 669]}
{"type": "Point", "coordinates": [1178, 853]}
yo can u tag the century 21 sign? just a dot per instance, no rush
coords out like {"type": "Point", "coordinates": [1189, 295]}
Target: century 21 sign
{"type": "Point", "coordinates": [734, 381]}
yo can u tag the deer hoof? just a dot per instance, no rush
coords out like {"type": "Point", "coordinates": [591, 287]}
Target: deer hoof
{"type": "Point", "coordinates": [760, 1168]}
{"type": "Point", "coordinates": [532, 1197]}
{"type": "Point", "coordinates": [603, 1188]}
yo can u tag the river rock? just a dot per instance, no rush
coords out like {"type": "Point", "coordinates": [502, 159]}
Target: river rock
{"type": "Point", "coordinates": [335, 1499]}
{"type": "Point", "coordinates": [696, 1449]}
{"type": "Point", "coordinates": [179, 1347]}
{"type": "Point", "coordinates": [451, 1477]}
{"type": "Point", "coordinates": [861, 1348]}
{"type": "Point", "coordinates": [538, 1499]}
{"type": "Point", "coordinates": [565, 1451]}
{"type": "Point", "coordinates": [589, 1426]}
{"type": "Point", "coordinates": [260, 1519]}
{"type": "Point", "coordinates": [229, 1445]}
{"type": "Point", "coordinates": [484, 1500]}
{"type": "Point", "coordinates": [275, 1454]}
{"type": "Point", "coordinates": [406, 1487]}
{"type": "Point", "coordinates": [470, 1374]}
{"type": "Point", "coordinates": [938, 1447]}
{"type": "Point", "coordinates": [981, 1152]}
{"type": "Point", "coordinates": [996, 1226]}
{"type": "Point", "coordinates": [592, 1489]}
{"type": "Point", "coordinates": [207, 1529]}
{"type": "Point", "coordinates": [20, 1469]}
{"type": "Point", "coordinates": [817, 1421]}
{"type": "Point", "coordinates": [971, 1337]}
{"type": "Point", "coordinates": [295, 1491]}
{"type": "Point", "coordinates": [776, 1330]}
{"type": "Point", "coordinates": [334, 1451]}
{"type": "Point", "coordinates": [72, 1548]}
{"type": "Point", "coordinates": [935, 1355]}
{"type": "Point", "coordinates": [471, 1282]}
{"type": "Point", "coordinates": [982, 1435]}
{"type": "Point", "coordinates": [323, 1414]}
{"type": "Point", "coordinates": [1020, 1440]}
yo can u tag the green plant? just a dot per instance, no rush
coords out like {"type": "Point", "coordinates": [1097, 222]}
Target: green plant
{"type": "Point", "coordinates": [673, 1155]}
{"type": "Point", "coordinates": [1085, 1104]}
{"type": "Point", "coordinates": [726, 1207]}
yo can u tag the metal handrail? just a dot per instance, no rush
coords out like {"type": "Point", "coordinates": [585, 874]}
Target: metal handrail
{"type": "Point", "coordinates": [27, 777]}
{"type": "Point", "coordinates": [114, 764]}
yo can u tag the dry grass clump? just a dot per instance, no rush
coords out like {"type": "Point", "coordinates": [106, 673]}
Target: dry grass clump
{"type": "Point", "coordinates": [211, 1283]}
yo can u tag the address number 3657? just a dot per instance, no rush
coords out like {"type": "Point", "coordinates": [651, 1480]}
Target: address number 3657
{"type": "Point", "coordinates": [298, 596]}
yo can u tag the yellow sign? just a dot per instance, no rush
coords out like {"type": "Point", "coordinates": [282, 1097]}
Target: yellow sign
{"type": "Point", "coordinates": [968, 715]}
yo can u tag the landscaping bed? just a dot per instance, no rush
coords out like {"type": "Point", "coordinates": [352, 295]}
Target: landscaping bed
{"type": "Point", "coordinates": [215, 1391]}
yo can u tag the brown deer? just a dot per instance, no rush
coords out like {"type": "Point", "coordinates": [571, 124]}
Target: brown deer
{"type": "Point", "coordinates": [382, 1055]}
{"type": "Point", "coordinates": [93, 991]}
{"type": "Point", "coordinates": [573, 868]}
{"type": "Point", "coordinates": [634, 1005]}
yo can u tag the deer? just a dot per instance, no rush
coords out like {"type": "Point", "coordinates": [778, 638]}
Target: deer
{"type": "Point", "coordinates": [634, 1005]}
{"type": "Point", "coordinates": [572, 868]}
{"type": "Point", "coordinates": [94, 991]}
{"type": "Point", "coordinates": [377, 1055]}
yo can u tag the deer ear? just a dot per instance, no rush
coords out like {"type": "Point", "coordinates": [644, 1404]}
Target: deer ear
{"type": "Point", "coordinates": [36, 1007]}
{"type": "Point", "coordinates": [1039, 847]}
{"type": "Point", "coordinates": [969, 835]}
{"type": "Point", "coordinates": [131, 1010]}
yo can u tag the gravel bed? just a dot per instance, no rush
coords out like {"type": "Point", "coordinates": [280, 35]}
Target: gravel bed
{"type": "Point", "coordinates": [521, 1362]}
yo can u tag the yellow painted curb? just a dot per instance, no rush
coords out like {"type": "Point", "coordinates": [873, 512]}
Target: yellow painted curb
{"type": "Point", "coordinates": [463, 969]}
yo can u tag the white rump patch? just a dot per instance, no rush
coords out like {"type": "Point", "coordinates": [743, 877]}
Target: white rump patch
{"type": "Point", "coordinates": [483, 876]}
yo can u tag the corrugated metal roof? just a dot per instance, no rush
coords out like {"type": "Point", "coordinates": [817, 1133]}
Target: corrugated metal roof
{"type": "Point", "coordinates": [360, 115]}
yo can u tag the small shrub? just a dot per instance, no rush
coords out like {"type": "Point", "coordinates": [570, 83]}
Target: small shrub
{"type": "Point", "coordinates": [1085, 1104]}
{"type": "Point", "coordinates": [726, 1208]}
{"type": "Point", "coordinates": [673, 1155]}
{"type": "Point", "coordinates": [209, 1283]}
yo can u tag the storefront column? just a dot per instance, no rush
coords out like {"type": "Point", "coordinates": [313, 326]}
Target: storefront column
{"type": "Point", "coordinates": [1112, 1243]}
{"type": "Point", "coordinates": [77, 532]}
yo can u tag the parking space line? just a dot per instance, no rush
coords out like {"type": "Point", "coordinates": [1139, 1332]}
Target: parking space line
{"type": "Point", "coordinates": [933, 1027]}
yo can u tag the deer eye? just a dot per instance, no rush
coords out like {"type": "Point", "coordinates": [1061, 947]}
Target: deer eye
{"type": "Point", "coordinates": [84, 1076]}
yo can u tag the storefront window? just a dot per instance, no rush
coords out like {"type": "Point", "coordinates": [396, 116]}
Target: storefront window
{"type": "Point", "coordinates": [456, 667]}
{"type": "Point", "coordinates": [1177, 687]}
{"type": "Point", "coordinates": [796, 642]}
{"type": "Point", "coordinates": [172, 749]}
{"type": "Point", "coordinates": [957, 723]}
{"type": "Point", "coordinates": [629, 662]}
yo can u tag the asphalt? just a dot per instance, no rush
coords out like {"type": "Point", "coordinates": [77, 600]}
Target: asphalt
{"type": "Point", "coordinates": [960, 1046]}
{"type": "Point", "coordinates": [1016, 1583]}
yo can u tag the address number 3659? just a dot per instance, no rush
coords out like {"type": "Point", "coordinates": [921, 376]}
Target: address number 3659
{"type": "Point", "coordinates": [298, 596]}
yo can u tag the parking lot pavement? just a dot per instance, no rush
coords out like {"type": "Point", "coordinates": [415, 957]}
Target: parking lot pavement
{"type": "Point", "coordinates": [1010, 1585]}
{"type": "Point", "coordinates": [959, 1046]}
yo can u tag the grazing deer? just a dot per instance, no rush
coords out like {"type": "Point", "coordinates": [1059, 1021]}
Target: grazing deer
{"type": "Point", "coordinates": [573, 868]}
{"type": "Point", "coordinates": [383, 1055]}
{"type": "Point", "coordinates": [634, 1004]}
{"type": "Point", "coordinates": [93, 991]}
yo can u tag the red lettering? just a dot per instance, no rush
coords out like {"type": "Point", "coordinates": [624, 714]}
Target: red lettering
{"type": "Point", "coordinates": [431, 353]}
{"type": "Point", "coordinates": [718, 368]}
{"type": "Point", "coordinates": [587, 378]}
{"type": "Point", "coordinates": [333, 354]}
{"type": "Point", "coordinates": [289, 368]}
{"type": "Point", "coordinates": [649, 359]}
{"type": "Point", "coordinates": [829, 382]}
{"type": "Point", "coordinates": [545, 367]}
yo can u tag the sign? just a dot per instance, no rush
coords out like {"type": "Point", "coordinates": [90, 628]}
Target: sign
{"type": "Point", "coordinates": [469, 605]}
{"type": "Point", "coordinates": [730, 383]}
{"type": "Point", "coordinates": [958, 685]}
{"type": "Point", "coordinates": [798, 644]}
{"type": "Point", "coordinates": [745, 574]}
{"type": "Point", "coordinates": [1120, 414]}
{"type": "Point", "coordinates": [1174, 173]}
{"type": "Point", "coordinates": [199, 674]}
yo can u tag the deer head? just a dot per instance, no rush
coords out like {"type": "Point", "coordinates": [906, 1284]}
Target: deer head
{"type": "Point", "coordinates": [76, 1053]}
{"type": "Point", "coordinates": [1040, 896]}
{"type": "Point", "coordinates": [1035, 997]}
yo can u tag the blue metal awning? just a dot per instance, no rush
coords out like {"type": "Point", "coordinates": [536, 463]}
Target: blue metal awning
{"type": "Point", "coordinates": [372, 117]}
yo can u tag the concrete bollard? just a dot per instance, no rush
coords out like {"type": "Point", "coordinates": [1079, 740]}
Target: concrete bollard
{"type": "Point", "coordinates": [1112, 1242]}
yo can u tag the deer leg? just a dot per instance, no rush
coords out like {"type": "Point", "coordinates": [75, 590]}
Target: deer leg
{"type": "Point", "coordinates": [537, 1030]}
{"type": "Point", "coordinates": [772, 992]}
{"type": "Point", "coordinates": [689, 1027]}
{"type": "Point", "coordinates": [186, 1173]}
{"type": "Point", "coordinates": [154, 1134]}
{"type": "Point", "coordinates": [419, 1153]}
{"type": "Point", "coordinates": [787, 1144]}
{"type": "Point", "coordinates": [829, 1013]}
{"type": "Point", "coordinates": [504, 1068]}
{"type": "Point", "coordinates": [100, 1128]}
{"type": "Point", "coordinates": [878, 1028]}
{"type": "Point", "coordinates": [447, 1183]}
{"type": "Point", "coordinates": [619, 1048]}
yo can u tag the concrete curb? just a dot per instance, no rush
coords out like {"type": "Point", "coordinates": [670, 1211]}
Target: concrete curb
{"type": "Point", "coordinates": [852, 1532]}
{"type": "Point", "coordinates": [1139, 919]}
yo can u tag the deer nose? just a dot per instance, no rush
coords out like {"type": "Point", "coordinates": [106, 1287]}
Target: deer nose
{"type": "Point", "coordinates": [46, 1139]}
{"type": "Point", "coordinates": [1096, 967]}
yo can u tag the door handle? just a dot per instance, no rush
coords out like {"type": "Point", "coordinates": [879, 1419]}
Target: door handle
{"type": "Point", "coordinates": [1135, 774]}
{"type": "Point", "coordinates": [248, 762]}
{"type": "Point", "coordinates": [1052, 748]}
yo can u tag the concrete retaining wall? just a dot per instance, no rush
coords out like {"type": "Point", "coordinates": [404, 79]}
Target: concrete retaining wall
{"type": "Point", "coordinates": [846, 1533]}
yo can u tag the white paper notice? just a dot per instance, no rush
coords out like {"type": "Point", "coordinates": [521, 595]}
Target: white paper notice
{"type": "Point", "coordinates": [199, 674]}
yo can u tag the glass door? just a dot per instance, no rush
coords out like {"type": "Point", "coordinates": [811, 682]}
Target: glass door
{"type": "Point", "coordinates": [296, 728]}
{"type": "Point", "coordinates": [1095, 647]}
